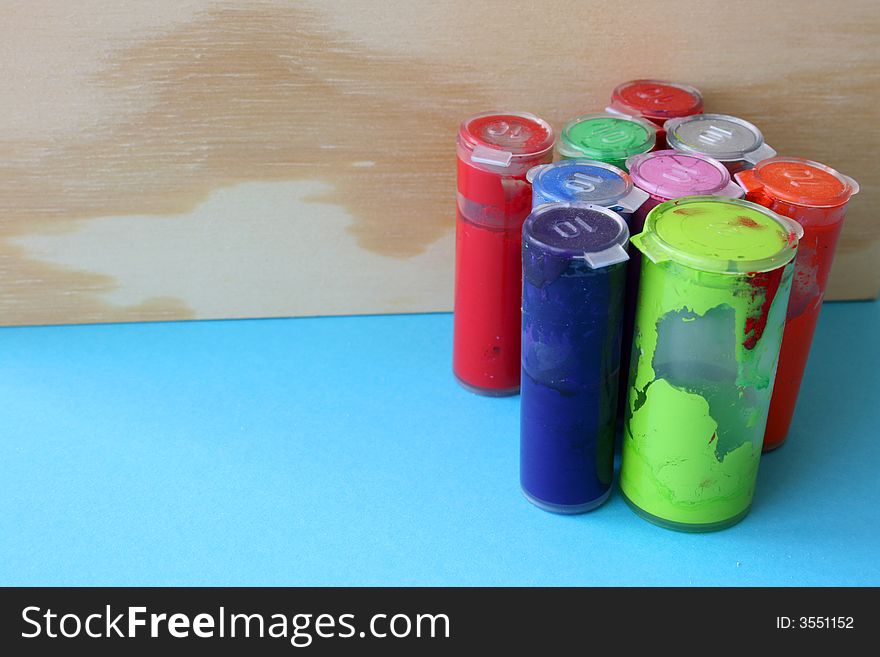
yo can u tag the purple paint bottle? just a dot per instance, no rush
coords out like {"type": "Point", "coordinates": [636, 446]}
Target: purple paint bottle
{"type": "Point", "coordinates": [574, 275]}
{"type": "Point", "coordinates": [664, 175]}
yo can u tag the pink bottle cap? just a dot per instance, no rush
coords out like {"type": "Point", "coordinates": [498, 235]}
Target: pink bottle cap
{"type": "Point", "coordinates": [670, 174]}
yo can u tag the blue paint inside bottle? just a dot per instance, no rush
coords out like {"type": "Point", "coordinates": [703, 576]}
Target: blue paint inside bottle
{"type": "Point", "coordinates": [599, 183]}
{"type": "Point", "coordinates": [574, 276]}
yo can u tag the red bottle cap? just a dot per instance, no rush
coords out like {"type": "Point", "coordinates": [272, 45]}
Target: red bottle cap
{"type": "Point", "coordinates": [797, 181]}
{"type": "Point", "coordinates": [656, 99]}
{"type": "Point", "coordinates": [497, 139]}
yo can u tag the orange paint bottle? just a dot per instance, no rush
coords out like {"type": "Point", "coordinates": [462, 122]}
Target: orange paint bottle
{"type": "Point", "coordinates": [815, 196]}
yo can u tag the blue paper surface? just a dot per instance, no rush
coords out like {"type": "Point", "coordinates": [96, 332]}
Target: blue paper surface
{"type": "Point", "coordinates": [340, 451]}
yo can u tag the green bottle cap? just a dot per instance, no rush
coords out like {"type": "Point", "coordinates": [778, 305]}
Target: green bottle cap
{"type": "Point", "coordinates": [606, 138]}
{"type": "Point", "coordinates": [719, 234]}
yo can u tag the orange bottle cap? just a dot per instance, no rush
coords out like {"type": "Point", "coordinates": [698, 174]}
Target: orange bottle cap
{"type": "Point", "coordinates": [798, 181]}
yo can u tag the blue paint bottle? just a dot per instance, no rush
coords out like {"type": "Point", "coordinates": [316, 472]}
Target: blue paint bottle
{"type": "Point", "coordinates": [585, 181]}
{"type": "Point", "coordinates": [590, 181]}
{"type": "Point", "coordinates": [574, 276]}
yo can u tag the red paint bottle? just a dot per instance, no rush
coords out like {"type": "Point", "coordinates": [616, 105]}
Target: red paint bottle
{"type": "Point", "coordinates": [495, 151]}
{"type": "Point", "coordinates": [656, 101]}
{"type": "Point", "coordinates": [816, 197]}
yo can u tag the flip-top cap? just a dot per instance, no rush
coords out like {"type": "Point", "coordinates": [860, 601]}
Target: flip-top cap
{"type": "Point", "coordinates": [671, 174]}
{"type": "Point", "coordinates": [726, 138]}
{"type": "Point", "coordinates": [718, 234]}
{"type": "Point", "coordinates": [498, 139]}
{"type": "Point", "coordinates": [606, 138]}
{"type": "Point", "coordinates": [584, 181]}
{"type": "Point", "coordinates": [798, 181]}
{"type": "Point", "coordinates": [577, 231]}
{"type": "Point", "coordinates": [656, 99]}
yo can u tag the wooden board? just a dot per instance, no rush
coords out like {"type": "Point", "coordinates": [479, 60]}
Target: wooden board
{"type": "Point", "coordinates": [197, 159]}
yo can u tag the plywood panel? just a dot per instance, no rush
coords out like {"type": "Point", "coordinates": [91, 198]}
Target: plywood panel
{"type": "Point", "coordinates": [200, 159]}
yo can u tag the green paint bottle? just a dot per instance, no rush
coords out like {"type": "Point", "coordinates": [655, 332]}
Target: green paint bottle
{"type": "Point", "coordinates": [606, 138]}
{"type": "Point", "coordinates": [711, 309]}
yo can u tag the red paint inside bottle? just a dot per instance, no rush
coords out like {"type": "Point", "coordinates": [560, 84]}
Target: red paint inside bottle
{"type": "Point", "coordinates": [495, 151]}
{"type": "Point", "coordinates": [767, 284]}
{"type": "Point", "coordinates": [811, 269]}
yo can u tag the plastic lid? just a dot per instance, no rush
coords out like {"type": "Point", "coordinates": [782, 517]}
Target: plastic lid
{"type": "Point", "coordinates": [656, 99]}
{"type": "Point", "coordinates": [718, 234]}
{"type": "Point", "coordinates": [583, 231]}
{"type": "Point", "coordinates": [670, 174]}
{"type": "Point", "coordinates": [498, 138]}
{"type": "Point", "coordinates": [723, 137]}
{"type": "Point", "coordinates": [604, 137]}
{"type": "Point", "coordinates": [586, 181]}
{"type": "Point", "coordinates": [798, 181]}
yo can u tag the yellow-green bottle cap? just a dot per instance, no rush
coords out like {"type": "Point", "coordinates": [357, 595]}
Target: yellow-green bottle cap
{"type": "Point", "coordinates": [719, 234]}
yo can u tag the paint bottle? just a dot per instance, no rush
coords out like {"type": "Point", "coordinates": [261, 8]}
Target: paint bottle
{"type": "Point", "coordinates": [664, 175]}
{"type": "Point", "coordinates": [656, 101]}
{"type": "Point", "coordinates": [495, 151]}
{"type": "Point", "coordinates": [716, 278]}
{"type": "Point", "coordinates": [589, 181]}
{"type": "Point", "coordinates": [585, 181]}
{"type": "Point", "coordinates": [735, 142]}
{"type": "Point", "coordinates": [816, 197]}
{"type": "Point", "coordinates": [574, 272]}
{"type": "Point", "coordinates": [606, 138]}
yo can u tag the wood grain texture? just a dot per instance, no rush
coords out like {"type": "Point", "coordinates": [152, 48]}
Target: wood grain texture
{"type": "Point", "coordinates": [200, 159]}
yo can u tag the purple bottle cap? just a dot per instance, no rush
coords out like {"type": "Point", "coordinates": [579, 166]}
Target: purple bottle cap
{"type": "Point", "coordinates": [577, 231]}
{"type": "Point", "coordinates": [670, 174]}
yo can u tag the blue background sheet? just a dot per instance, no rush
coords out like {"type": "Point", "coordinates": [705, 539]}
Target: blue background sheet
{"type": "Point", "coordinates": [340, 451]}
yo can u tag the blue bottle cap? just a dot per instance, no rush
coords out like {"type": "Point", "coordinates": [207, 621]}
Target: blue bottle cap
{"type": "Point", "coordinates": [585, 181]}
